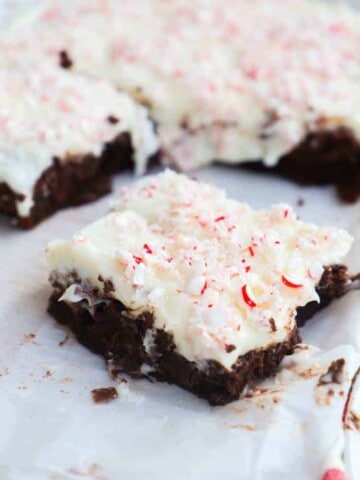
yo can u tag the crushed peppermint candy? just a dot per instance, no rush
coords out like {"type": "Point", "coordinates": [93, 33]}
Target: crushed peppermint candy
{"type": "Point", "coordinates": [255, 92]}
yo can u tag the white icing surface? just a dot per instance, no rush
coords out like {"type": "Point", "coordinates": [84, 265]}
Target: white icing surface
{"type": "Point", "coordinates": [247, 82]}
{"type": "Point", "coordinates": [213, 271]}
{"type": "Point", "coordinates": [47, 112]}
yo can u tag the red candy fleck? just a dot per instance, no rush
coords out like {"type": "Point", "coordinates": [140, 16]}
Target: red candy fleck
{"type": "Point", "coordinates": [247, 299]}
{"type": "Point", "coordinates": [247, 269]}
{"type": "Point", "coordinates": [313, 277]}
{"type": "Point", "coordinates": [286, 213]}
{"type": "Point", "coordinates": [204, 288]}
{"type": "Point", "coordinates": [334, 474]}
{"type": "Point", "coordinates": [251, 250]}
{"type": "Point", "coordinates": [147, 249]}
{"type": "Point", "coordinates": [252, 73]}
{"type": "Point", "coordinates": [138, 259]}
{"type": "Point", "coordinates": [338, 28]}
{"type": "Point", "coordinates": [219, 219]}
{"type": "Point", "coordinates": [238, 87]}
{"type": "Point", "coordinates": [289, 284]}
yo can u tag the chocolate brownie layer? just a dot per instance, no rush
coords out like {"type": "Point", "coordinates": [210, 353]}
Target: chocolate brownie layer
{"type": "Point", "coordinates": [323, 158]}
{"type": "Point", "coordinates": [110, 330]}
{"type": "Point", "coordinates": [71, 182]}
{"type": "Point", "coordinates": [334, 283]}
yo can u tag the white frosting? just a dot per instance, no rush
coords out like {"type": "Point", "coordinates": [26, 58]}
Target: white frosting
{"type": "Point", "coordinates": [213, 271]}
{"type": "Point", "coordinates": [248, 82]}
{"type": "Point", "coordinates": [47, 112]}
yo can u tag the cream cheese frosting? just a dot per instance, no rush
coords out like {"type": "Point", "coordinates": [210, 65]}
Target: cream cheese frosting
{"type": "Point", "coordinates": [47, 112]}
{"type": "Point", "coordinates": [222, 278]}
{"type": "Point", "coordinates": [230, 80]}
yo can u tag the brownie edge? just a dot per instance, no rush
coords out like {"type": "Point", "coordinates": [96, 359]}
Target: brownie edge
{"type": "Point", "coordinates": [78, 180]}
{"type": "Point", "coordinates": [333, 284]}
{"type": "Point", "coordinates": [327, 157]}
{"type": "Point", "coordinates": [110, 330]}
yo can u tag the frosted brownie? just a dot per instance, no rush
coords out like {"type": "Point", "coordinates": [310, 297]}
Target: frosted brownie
{"type": "Point", "coordinates": [182, 284]}
{"type": "Point", "coordinates": [286, 92]}
{"type": "Point", "coordinates": [62, 136]}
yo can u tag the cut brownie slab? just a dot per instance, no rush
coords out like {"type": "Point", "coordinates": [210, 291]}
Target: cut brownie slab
{"type": "Point", "coordinates": [286, 93]}
{"type": "Point", "coordinates": [61, 137]}
{"type": "Point", "coordinates": [182, 284]}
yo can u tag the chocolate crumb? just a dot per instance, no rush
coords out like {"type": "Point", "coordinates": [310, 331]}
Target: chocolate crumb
{"type": "Point", "coordinates": [104, 395]}
{"type": "Point", "coordinates": [249, 428]}
{"type": "Point", "coordinates": [300, 202]}
{"type": "Point", "coordinates": [29, 336]}
{"type": "Point", "coordinates": [230, 348]}
{"type": "Point", "coordinates": [350, 420]}
{"type": "Point", "coordinates": [353, 421]}
{"type": "Point", "coordinates": [108, 286]}
{"type": "Point", "coordinates": [112, 119]}
{"type": "Point", "coordinates": [65, 60]}
{"type": "Point", "coordinates": [272, 325]}
{"type": "Point", "coordinates": [334, 373]}
{"type": "Point", "coordinates": [64, 340]}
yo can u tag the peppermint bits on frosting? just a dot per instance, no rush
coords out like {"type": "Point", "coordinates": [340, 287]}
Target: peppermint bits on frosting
{"type": "Point", "coordinates": [166, 249]}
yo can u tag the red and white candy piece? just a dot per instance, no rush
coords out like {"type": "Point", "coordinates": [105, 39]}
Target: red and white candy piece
{"type": "Point", "coordinates": [248, 296]}
{"type": "Point", "coordinates": [289, 283]}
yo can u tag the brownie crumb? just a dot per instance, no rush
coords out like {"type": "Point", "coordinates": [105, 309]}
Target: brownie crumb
{"type": "Point", "coordinates": [334, 373]}
{"type": "Point", "coordinates": [64, 340]}
{"type": "Point", "coordinates": [29, 336]}
{"type": "Point", "coordinates": [104, 395]}
{"type": "Point", "coordinates": [300, 202]}
{"type": "Point", "coordinates": [112, 119]}
{"type": "Point", "coordinates": [230, 348]}
{"type": "Point", "coordinates": [350, 420]}
{"type": "Point", "coordinates": [272, 325]}
{"type": "Point", "coordinates": [65, 60]}
{"type": "Point", "coordinates": [353, 422]}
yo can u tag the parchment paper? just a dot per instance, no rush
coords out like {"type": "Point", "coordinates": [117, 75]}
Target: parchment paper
{"type": "Point", "coordinates": [50, 429]}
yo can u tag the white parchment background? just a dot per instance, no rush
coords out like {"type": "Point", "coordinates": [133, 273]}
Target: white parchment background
{"type": "Point", "coordinates": [51, 430]}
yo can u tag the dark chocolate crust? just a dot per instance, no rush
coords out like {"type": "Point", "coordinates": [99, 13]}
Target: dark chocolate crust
{"type": "Point", "coordinates": [110, 330]}
{"type": "Point", "coordinates": [329, 157]}
{"type": "Point", "coordinates": [333, 284]}
{"type": "Point", "coordinates": [72, 182]}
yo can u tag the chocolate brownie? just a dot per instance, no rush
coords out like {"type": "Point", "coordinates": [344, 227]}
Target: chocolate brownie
{"type": "Point", "coordinates": [334, 283]}
{"type": "Point", "coordinates": [322, 158]}
{"type": "Point", "coordinates": [223, 91]}
{"type": "Point", "coordinates": [59, 143]}
{"type": "Point", "coordinates": [64, 184]}
{"type": "Point", "coordinates": [109, 329]}
{"type": "Point", "coordinates": [182, 284]}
